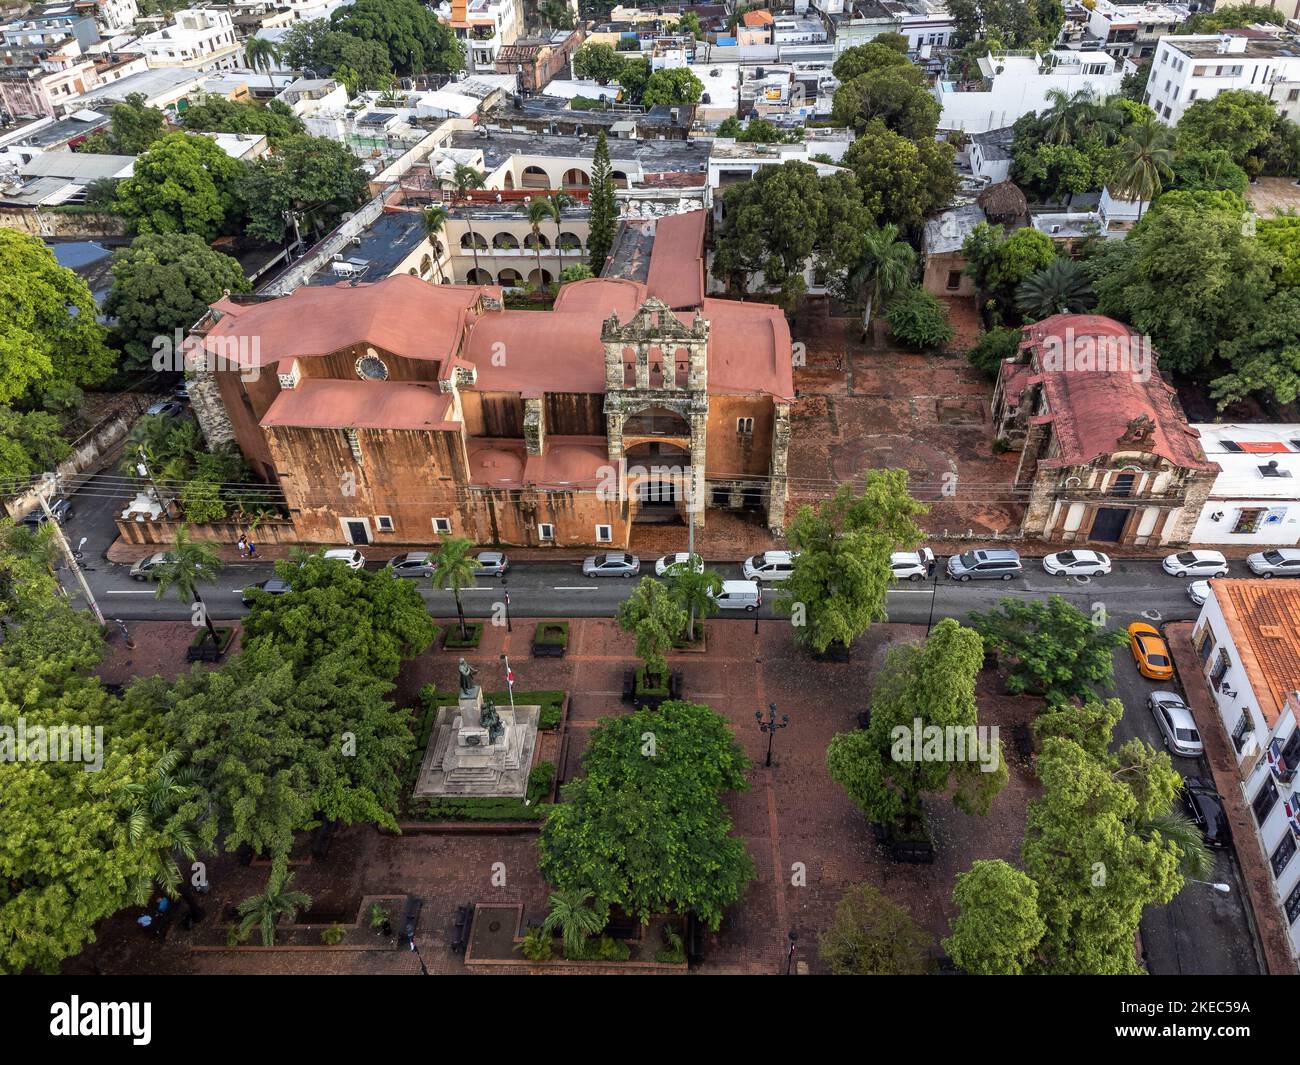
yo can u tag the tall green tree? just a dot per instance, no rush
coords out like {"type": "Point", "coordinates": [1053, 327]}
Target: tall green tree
{"type": "Point", "coordinates": [435, 229]}
{"type": "Point", "coordinates": [164, 282]}
{"type": "Point", "coordinates": [133, 126]}
{"type": "Point", "coordinates": [672, 86]}
{"type": "Point", "coordinates": [189, 563]}
{"type": "Point", "coordinates": [999, 927]}
{"type": "Point", "coordinates": [883, 270]}
{"type": "Point", "coordinates": [655, 619]}
{"type": "Point", "coordinates": [597, 62]}
{"type": "Point", "coordinates": [454, 568]}
{"type": "Point", "coordinates": [901, 181]}
{"type": "Point", "coordinates": [462, 181]}
{"type": "Point", "coordinates": [315, 177]}
{"type": "Point", "coordinates": [558, 203]}
{"type": "Point", "coordinates": [48, 328]}
{"type": "Point", "coordinates": [1145, 162]}
{"type": "Point", "coordinates": [538, 210]}
{"type": "Point", "coordinates": [696, 593]}
{"type": "Point", "coordinates": [781, 222]}
{"type": "Point", "coordinates": [897, 97]}
{"type": "Point", "coordinates": [873, 936]}
{"type": "Point", "coordinates": [603, 223]}
{"type": "Point", "coordinates": [261, 54]}
{"type": "Point", "coordinates": [644, 828]}
{"type": "Point", "coordinates": [1051, 648]}
{"type": "Point", "coordinates": [217, 114]}
{"type": "Point", "coordinates": [888, 767]}
{"type": "Point", "coordinates": [416, 40]}
{"type": "Point", "coordinates": [183, 184]}
{"type": "Point", "coordinates": [842, 573]}
{"type": "Point", "coordinates": [1239, 121]}
{"type": "Point", "coordinates": [864, 58]}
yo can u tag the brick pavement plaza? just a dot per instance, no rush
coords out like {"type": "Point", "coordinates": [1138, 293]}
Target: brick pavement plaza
{"type": "Point", "coordinates": [792, 813]}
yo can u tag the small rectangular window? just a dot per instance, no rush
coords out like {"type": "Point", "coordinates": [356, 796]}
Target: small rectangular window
{"type": "Point", "coordinates": [604, 534]}
{"type": "Point", "coordinates": [1264, 801]}
{"type": "Point", "coordinates": [1284, 853]}
{"type": "Point", "coordinates": [384, 522]}
{"type": "Point", "coordinates": [442, 526]}
{"type": "Point", "coordinates": [545, 531]}
{"type": "Point", "coordinates": [744, 425]}
{"type": "Point", "coordinates": [954, 279]}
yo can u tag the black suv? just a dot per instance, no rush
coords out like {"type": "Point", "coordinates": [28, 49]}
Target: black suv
{"type": "Point", "coordinates": [1205, 808]}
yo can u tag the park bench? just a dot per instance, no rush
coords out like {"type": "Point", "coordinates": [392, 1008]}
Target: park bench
{"type": "Point", "coordinates": [460, 927]}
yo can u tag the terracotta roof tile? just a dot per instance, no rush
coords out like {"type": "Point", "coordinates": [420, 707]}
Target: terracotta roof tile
{"type": "Point", "coordinates": [1263, 617]}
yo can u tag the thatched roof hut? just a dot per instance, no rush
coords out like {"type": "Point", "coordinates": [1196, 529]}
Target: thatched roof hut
{"type": "Point", "coordinates": [1004, 204]}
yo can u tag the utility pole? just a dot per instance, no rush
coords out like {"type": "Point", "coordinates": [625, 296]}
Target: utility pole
{"type": "Point", "coordinates": [69, 557]}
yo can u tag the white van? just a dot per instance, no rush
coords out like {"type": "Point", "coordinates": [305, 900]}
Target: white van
{"type": "Point", "coordinates": [739, 595]}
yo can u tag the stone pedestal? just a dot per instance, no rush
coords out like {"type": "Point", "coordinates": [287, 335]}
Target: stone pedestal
{"type": "Point", "coordinates": [462, 758]}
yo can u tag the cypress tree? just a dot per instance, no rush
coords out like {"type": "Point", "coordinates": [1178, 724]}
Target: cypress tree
{"type": "Point", "coordinates": [604, 211]}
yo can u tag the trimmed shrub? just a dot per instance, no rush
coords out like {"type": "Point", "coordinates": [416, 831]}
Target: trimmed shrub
{"type": "Point", "coordinates": [920, 321]}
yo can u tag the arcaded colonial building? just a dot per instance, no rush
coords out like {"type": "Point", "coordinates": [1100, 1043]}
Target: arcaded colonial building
{"type": "Point", "coordinates": [402, 412]}
{"type": "Point", "coordinates": [1107, 455]}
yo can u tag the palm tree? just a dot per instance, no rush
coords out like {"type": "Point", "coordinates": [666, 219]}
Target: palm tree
{"type": "Point", "coordinates": [1061, 287]}
{"type": "Point", "coordinates": [464, 179]}
{"type": "Point", "coordinates": [1064, 114]}
{"type": "Point", "coordinates": [261, 53]}
{"type": "Point", "coordinates": [574, 919]}
{"type": "Point", "coordinates": [1196, 861]}
{"type": "Point", "coordinates": [435, 224]}
{"type": "Point", "coordinates": [539, 210]}
{"type": "Point", "coordinates": [1145, 162]}
{"type": "Point", "coordinates": [694, 592]}
{"type": "Point", "coordinates": [153, 812]}
{"type": "Point", "coordinates": [35, 544]}
{"type": "Point", "coordinates": [265, 910]}
{"type": "Point", "coordinates": [455, 569]}
{"type": "Point", "coordinates": [188, 565]}
{"type": "Point", "coordinates": [560, 202]}
{"type": "Point", "coordinates": [882, 271]}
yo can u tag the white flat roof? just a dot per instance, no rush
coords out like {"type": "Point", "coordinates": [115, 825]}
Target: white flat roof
{"type": "Point", "coordinates": [1241, 476]}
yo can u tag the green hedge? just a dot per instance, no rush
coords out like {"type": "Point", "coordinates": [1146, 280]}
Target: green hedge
{"type": "Point", "coordinates": [552, 632]}
{"type": "Point", "coordinates": [453, 640]}
{"type": "Point", "coordinates": [498, 809]}
{"type": "Point", "coordinates": [642, 688]}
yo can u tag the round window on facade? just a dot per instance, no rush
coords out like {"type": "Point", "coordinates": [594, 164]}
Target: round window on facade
{"type": "Point", "coordinates": [372, 368]}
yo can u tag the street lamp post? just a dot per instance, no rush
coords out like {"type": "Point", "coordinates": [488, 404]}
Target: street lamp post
{"type": "Point", "coordinates": [424, 969]}
{"type": "Point", "coordinates": [1221, 888]}
{"type": "Point", "coordinates": [770, 726]}
{"type": "Point", "coordinates": [507, 595]}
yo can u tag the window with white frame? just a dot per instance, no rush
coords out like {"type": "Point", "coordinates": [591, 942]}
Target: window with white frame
{"type": "Point", "coordinates": [442, 526]}
{"type": "Point", "coordinates": [384, 522]}
{"type": "Point", "coordinates": [604, 534]}
{"type": "Point", "coordinates": [545, 531]}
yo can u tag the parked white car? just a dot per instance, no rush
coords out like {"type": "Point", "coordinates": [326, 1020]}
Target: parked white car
{"type": "Point", "coordinates": [349, 556]}
{"type": "Point", "coordinates": [769, 566]}
{"type": "Point", "coordinates": [1196, 564]}
{"type": "Point", "coordinates": [1277, 562]}
{"type": "Point", "coordinates": [911, 565]}
{"type": "Point", "coordinates": [1176, 724]}
{"type": "Point", "coordinates": [1198, 592]}
{"type": "Point", "coordinates": [739, 595]}
{"type": "Point", "coordinates": [1077, 564]}
{"type": "Point", "coordinates": [671, 565]}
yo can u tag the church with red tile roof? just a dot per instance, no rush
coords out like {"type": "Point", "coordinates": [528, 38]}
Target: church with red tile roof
{"type": "Point", "coordinates": [405, 412]}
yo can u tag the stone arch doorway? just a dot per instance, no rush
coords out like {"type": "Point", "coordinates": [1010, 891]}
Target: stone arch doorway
{"type": "Point", "coordinates": [658, 476]}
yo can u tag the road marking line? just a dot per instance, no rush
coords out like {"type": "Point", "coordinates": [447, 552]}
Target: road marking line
{"type": "Point", "coordinates": [910, 591]}
{"type": "Point", "coordinates": [575, 588]}
{"type": "Point", "coordinates": [130, 591]}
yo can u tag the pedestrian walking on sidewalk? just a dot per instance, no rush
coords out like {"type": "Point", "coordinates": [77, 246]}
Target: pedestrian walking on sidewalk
{"type": "Point", "coordinates": [252, 549]}
{"type": "Point", "coordinates": [242, 545]}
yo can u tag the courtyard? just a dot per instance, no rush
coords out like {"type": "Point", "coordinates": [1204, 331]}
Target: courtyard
{"type": "Point", "coordinates": [809, 843]}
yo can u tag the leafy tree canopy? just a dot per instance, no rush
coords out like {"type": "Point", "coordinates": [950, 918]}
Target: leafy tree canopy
{"type": "Point", "coordinates": [999, 926]}
{"type": "Point", "coordinates": [184, 183]}
{"type": "Point", "coordinates": [48, 328]}
{"type": "Point", "coordinates": [644, 827]}
{"type": "Point", "coordinates": [217, 114]}
{"type": "Point", "coordinates": [132, 127]}
{"type": "Point", "coordinates": [597, 62]}
{"type": "Point", "coordinates": [164, 282]}
{"type": "Point", "coordinates": [864, 58]}
{"type": "Point", "coordinates": [898, 96]}
{"type": "Point", "coordinates": [418, 42]}
{"type": "Point", "coordinates": [1238, 121]}
{"type": "Point", "coordinates": [920, 320]}
{"type": "Point", "coordinates": [672, 86]}
{"type": "Point", "coordinates": [901, 181]}
{"type": "Point", "coordinates": [873, 936]}
{"type": "Point", "coordinates": [314, 175]}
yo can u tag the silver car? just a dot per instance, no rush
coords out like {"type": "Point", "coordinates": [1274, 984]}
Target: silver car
{"type": "Point", "coordinates": [412, 564]}
{"type": "Point", "coordinates": [1198, 592]}
{"type": "Point", "coordinates": [1277, 562]}
{"type": "Point", "coordinates": [491, 564]}
{"type": "Point", "coordinates": [147, 568]}
{"type": "Point", "coordinates": [611, 564]}
{"type": "Point", "coordinates": [1176, 724]}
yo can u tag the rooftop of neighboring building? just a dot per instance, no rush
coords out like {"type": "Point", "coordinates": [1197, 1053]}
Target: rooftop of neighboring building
{"type": "Point", "coordinates": [1263, 619]}
{"type": "Point", "coordinates": [83, 167]}
{"type": "Point", "coordinates": [158, 82]}
{"type": "Point", "coordinates": [384, 244]}
{"type": "Point", "coordinates": [1092, 371]}
{"type": "Point", "coordinates": [995, 144]}
{"type": "Point", "coordinates": [656, 154]}
{"type": "Point", "coordinates": [757, 18]}
{"type": "Point", "coordinates": [1256, 460]}
{"type": "Point", "coordinates": [42, 133]}
{"type": "Point", "coordinates": [1241, 43]}
{"type": "Point", "coordinates": [948, 232]}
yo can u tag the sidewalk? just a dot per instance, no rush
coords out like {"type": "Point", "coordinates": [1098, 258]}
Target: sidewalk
{"type": "Point", "coordinates": [1274, 939]}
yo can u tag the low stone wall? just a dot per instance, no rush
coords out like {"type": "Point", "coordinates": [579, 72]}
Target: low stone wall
{"type": "Point", "coordinates": [228, 532]}
{"type": "Point", "coordinates": [42, 223]}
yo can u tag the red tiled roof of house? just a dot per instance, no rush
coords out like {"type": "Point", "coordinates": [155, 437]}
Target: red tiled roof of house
{"type": "Point", "coordinates": [326, 403]}
{"type": "Point", "coordinates": [677, 260]}
{"type": "Point", "coordinates": [400, 314]}
{"type": "Point", "coordinates": [1096, 383]}
{"type": "Point", "coordinates": [757, 18]}
{"type": "Point", "coordinates": [1263, 617]}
